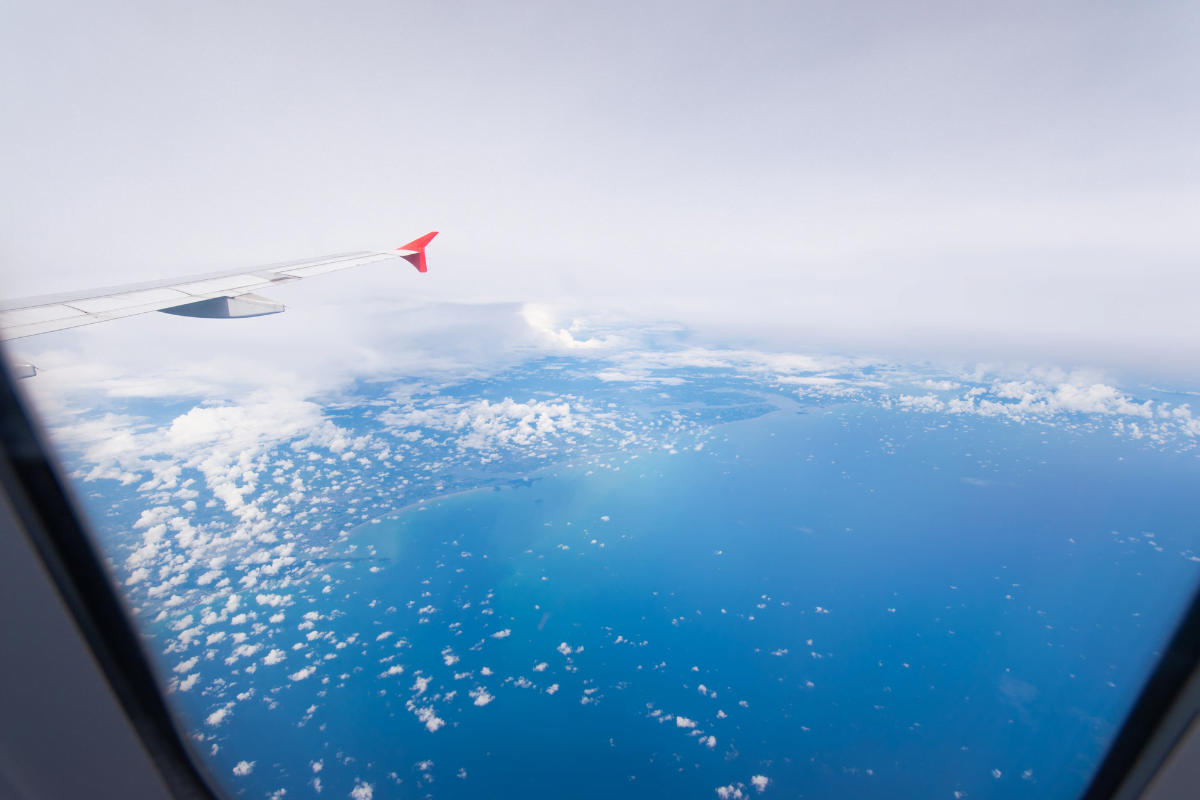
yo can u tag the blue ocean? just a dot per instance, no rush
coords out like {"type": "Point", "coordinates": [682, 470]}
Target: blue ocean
{"type": "Point", "coordinates": [833, 600]}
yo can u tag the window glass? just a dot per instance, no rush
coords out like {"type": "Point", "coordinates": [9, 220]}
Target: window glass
{"type": "Point", "coordinates": [798, 401]}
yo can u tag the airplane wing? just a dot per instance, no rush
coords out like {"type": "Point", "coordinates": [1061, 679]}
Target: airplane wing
{"type": "Point", "coordinates": [215, 295]}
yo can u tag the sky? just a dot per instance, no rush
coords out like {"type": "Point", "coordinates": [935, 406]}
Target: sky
{"type": "Point", "coordinates": [973, 181]}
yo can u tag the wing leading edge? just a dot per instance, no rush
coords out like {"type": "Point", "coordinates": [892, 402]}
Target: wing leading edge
{"type": "Point", "coordinates": [214, 295]}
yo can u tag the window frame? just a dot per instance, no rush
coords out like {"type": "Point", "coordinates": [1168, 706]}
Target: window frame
{"type": "Point", "coordinates": [43, 503]}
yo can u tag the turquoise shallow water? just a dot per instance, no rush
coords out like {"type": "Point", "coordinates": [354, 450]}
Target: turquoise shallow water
{"type": "Point", "coordinates": [876, 603]}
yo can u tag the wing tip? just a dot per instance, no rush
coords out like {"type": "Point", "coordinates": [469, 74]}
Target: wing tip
{"type": "Point", "coordinates": [417, 248]}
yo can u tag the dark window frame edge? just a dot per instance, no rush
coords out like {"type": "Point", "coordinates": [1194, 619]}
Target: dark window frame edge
{"type": "Point", "coordinates": [43, 502]}
{"type": "Point", "coordinates": [1166, 706]}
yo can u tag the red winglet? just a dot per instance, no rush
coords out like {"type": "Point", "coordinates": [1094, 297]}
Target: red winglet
{"type": "Point", "coordinates": [417, 258]}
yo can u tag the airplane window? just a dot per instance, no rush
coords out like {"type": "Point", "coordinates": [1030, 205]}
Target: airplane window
{"type": "Point", "coordinates": [798, 400]}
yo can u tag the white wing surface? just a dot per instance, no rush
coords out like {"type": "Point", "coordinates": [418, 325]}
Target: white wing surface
{"type": "Point", "coordinates": [220, 295]}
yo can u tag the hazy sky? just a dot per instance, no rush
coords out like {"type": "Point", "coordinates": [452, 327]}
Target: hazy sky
{"type": "Point", "coordinates": [998, 179]}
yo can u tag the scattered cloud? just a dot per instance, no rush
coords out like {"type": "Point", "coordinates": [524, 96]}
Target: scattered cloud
{"type": "Point", "coordinates": [184, 666]}
{"type": "Point", "coordinates": [218, 716]}
{"type": "Point", "coordinates": [429, 718]}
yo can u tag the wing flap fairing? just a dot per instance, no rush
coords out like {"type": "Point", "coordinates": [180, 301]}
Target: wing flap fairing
{"type": "Point", "coordinates": [246, 305]}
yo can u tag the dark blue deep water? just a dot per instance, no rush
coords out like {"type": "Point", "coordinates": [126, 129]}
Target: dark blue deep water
{"type": "Point", "coordinates": [852, 602]}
